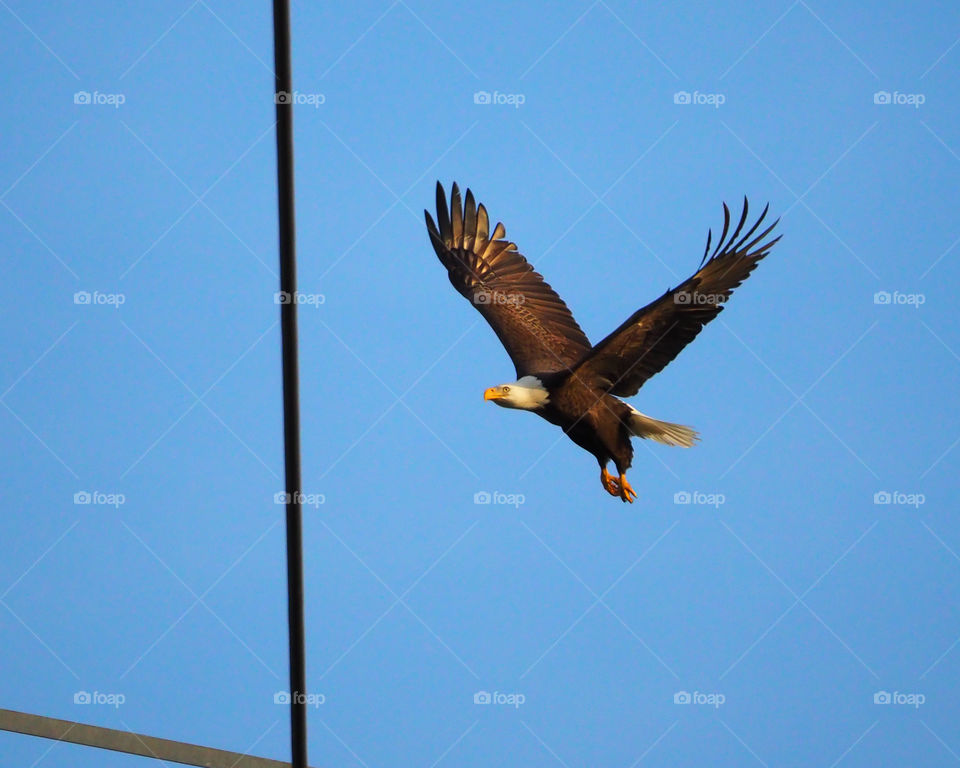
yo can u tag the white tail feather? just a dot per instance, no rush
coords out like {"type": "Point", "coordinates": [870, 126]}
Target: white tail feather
{"type": "Point", "coordinates": [664, 432]}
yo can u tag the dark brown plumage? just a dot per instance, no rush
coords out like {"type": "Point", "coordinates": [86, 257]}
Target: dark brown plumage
{"type": "Point", "coordinates": [560, 375]}
{"type": "Point", "coordinates": [653, 336]}
{"type": "Point", "coordinates": [531, 321]}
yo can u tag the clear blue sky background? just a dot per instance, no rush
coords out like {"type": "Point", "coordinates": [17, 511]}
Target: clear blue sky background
{"type": "Point", "coordinates": [796, 600]}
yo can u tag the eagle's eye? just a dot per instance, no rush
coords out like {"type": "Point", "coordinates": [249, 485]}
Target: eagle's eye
{"type": "Point", "coordinates": [506, 389]}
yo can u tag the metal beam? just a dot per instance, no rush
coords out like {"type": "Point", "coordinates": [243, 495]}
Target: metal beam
{"type": "Point", "coordinates": [129, 742]}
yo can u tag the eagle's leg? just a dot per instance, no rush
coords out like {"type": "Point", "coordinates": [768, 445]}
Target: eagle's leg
{"type": "Point", "coordinates": [609, 484]}
{"type": "Point", "coordinates": [626, 491]}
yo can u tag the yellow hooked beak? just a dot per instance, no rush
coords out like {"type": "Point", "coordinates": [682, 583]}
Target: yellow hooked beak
{"type": "Point", "coordinates": [493, 393]}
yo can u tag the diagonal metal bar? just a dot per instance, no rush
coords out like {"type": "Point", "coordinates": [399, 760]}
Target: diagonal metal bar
{"type": "Point", "coordinates": [129, 742]}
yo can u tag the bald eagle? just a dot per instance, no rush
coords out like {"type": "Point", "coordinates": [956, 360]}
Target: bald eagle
{"type": "Point", "coordinates": [560, 376]}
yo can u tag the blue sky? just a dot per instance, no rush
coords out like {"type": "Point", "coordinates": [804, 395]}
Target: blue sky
{"type": "Point", "coordinates": [784, 603]}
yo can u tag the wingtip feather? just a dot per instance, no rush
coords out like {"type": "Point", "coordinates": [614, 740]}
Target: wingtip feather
{"type": "Point", "coordinates": [469, 221]}
{"type": "Point", "coordinates": [723, 234]}
{"type": "Point", "coordinates": [443, 215]}
{"type": "Point", "coordinates": [456, 214]}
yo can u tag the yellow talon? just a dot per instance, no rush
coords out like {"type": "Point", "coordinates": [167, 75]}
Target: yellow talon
{"type": "Point", "coordinates": [609, 484]}
{"type": "Point", "coordinates": [626, 491]}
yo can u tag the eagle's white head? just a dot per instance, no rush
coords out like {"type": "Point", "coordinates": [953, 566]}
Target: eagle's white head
{"type": "Point", "coordinates": [527, 393]}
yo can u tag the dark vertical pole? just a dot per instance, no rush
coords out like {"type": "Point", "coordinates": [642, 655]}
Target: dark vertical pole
{"type": "Point", "coordinates": [291, 393]}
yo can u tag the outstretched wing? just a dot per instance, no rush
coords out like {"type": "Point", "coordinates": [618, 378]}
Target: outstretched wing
{"type": "Point", "coordinates": [654, 335]}
{"type": "Point", "coordinates": [530, 319]}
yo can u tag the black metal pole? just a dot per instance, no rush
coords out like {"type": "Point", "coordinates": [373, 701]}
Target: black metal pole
{"type": "Point", "coordinates": [283, 100]}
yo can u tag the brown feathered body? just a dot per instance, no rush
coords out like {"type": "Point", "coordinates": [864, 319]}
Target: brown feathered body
{"type": "Point", "coordinates": [595, 420]}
